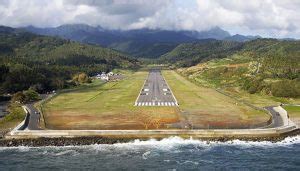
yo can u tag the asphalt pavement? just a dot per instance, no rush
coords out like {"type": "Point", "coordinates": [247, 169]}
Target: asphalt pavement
{"type": "Point", "coordinates": [34, 114]}
{"type": "Point", "coordinates": [155, 91]}
{"type": "Point", "coordinates": [276, 117]}
{"type": "Point", "coordinates": [34, 117]}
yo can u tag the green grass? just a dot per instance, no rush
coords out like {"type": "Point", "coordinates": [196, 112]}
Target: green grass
{"type": "Point", "coordinates": [99, 97]}
{"type": "Point", "coordinates": [293, 111]}
{"type": "Point", "coordinates": [15, 116]}
{"type": "Point", "coordinates": [258, 100]}
{"type": "Point", "coordinates": [206, 106]}
{"type": "Point", "coordinates": [110, 106]}
{"type": "Point", "coordinates": [105, 106]}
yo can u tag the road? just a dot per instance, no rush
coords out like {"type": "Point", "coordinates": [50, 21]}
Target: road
{"type": "Point", "coordinates": [34, 117]}
{"type": "Point", "coordinates": [155, 91]}
{"type": "Point", "coordinates": [276, 117]}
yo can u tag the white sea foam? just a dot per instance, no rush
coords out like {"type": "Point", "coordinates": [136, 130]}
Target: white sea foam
{"type": "Point", "coordinates": [19, 148]}
{"type": "Point", "coordinates": [146, 154]}
{"type": "Point", "coordinates": [69, 152]}
{"type": "Point", "coordinates": [168, 144]}
{"type": "Point", "coordinates": [187, 162]}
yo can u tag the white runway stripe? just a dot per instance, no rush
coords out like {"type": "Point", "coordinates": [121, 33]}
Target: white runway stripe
{"type": "Point", "coordinates": [156, 104]}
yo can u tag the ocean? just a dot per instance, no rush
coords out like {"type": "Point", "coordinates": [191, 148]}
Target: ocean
{"type": "Point", "coordinates": [171, 153]}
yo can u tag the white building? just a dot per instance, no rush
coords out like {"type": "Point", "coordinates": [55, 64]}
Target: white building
{"type": "Point", "coordinates": [98, 76]}
{"type": "Point", "coordinates": [110, 74]}
{"type": "Point", "coordinates": [104, 76]}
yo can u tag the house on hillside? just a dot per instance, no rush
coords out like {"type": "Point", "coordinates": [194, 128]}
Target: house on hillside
{"type": "Point", "coordinates": [104, 76]}
{"type": "Point", "coordinates": [98, 76]}
{"type": "Point", "coordinates": [110, 74]}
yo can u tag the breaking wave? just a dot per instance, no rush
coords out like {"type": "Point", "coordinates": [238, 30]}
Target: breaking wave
{"type": "Point", "coordinates": [169, 143]}
{"type": "Point", "coordinates": [166, 154]}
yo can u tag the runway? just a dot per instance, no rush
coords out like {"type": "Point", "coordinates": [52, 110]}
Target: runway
{"type": "Point", "coordinates": [155, 91]}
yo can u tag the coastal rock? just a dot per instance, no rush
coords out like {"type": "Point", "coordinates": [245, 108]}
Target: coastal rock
{"type": "Point", "coordinates": [63, 141]}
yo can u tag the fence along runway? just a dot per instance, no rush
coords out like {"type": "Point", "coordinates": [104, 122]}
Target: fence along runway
{"type": "Point", "coordinates": [155, 91]}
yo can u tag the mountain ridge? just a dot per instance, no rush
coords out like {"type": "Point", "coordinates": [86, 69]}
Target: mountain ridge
{"type": "Point", "coordinates": [149, 43]}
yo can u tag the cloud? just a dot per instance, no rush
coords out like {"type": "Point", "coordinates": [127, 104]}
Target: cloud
{"type": "Point", "coordinates": [275, 18]}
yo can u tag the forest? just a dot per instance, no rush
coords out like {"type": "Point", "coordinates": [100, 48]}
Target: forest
{"type": "Point", "coordinates": [48, 63]}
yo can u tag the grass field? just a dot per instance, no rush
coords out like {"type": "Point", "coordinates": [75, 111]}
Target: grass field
{"type": "Point", "coordinates": [15, 116]}
{"type": "Point", "coordinates": [294, 113]}
{"type": "Point", "coordinates": [106, 106]}
{"type": "Point", "coordinates": [205, 107]}
{"type": "Point", "coordinates": [110, 106]}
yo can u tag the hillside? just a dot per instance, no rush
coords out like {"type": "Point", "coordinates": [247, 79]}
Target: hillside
{"type": "Point", "coordinates": [241, 38]}
{"type": "Point", "coordinates": [265, 66]}
{"type": "Point", "coordinates": [189, 54]}
{"type": "Point", "coordinates": [47, 62]}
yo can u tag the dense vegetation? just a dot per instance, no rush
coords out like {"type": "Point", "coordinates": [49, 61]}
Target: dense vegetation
{"type": "Point", "coordinates": [266, 66]}
{"type": "Point", "coordinates": [189, 54]}
{"type": "Point", "coordinates": [46, 63]}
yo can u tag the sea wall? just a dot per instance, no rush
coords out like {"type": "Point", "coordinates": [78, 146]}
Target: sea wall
{"type": "Point", "coordinates": [88, 140]}
{"type": "Point", "coordinates": [18, 136]}
{"type": "Point", "coordinates": [24, 123]}
{"type": "Point", "coordinates": [200, 133]}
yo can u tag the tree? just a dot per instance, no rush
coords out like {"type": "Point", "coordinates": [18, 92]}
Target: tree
{"type": "Point", "coordinates": [81, 78]}
{"type": "Point", "coordinates": [25, 96]}
{"type": "Point", "coordinates": [286, 88]}
{"type": "Point", "coordinates": [31, 95]}
{"type": "Point", "coordinates": [3, 72]}
{"type": "Point", "coordinates": [18, 97]}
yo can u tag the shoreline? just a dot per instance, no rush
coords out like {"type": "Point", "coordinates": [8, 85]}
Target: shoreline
{"type": "Point", "coordinates": [26, 137]}
{"type": "Point", "coordinates": [90, 140]}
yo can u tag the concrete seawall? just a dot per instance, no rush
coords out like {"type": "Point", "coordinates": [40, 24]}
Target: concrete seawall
{"type": "Point", "coordinates": [24, 123]}
{"type": "Point", "coordinates": [216, 133]}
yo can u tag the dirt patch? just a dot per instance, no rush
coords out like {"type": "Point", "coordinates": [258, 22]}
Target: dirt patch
{"type": "Point", "coordinates": [202, 120]}
{"type": "Point", "coordinates": [138, 119]}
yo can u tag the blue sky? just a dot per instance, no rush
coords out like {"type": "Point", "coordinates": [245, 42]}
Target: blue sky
{"type": "Point", "coordinates": [269, 18]}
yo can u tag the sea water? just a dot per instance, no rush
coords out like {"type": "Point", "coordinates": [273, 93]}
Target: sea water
{"type": "Point", "coordinates": [171, 153]}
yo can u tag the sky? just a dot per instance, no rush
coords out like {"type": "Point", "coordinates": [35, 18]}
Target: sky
{"type": "Point", "coordinates": [268, 18]}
